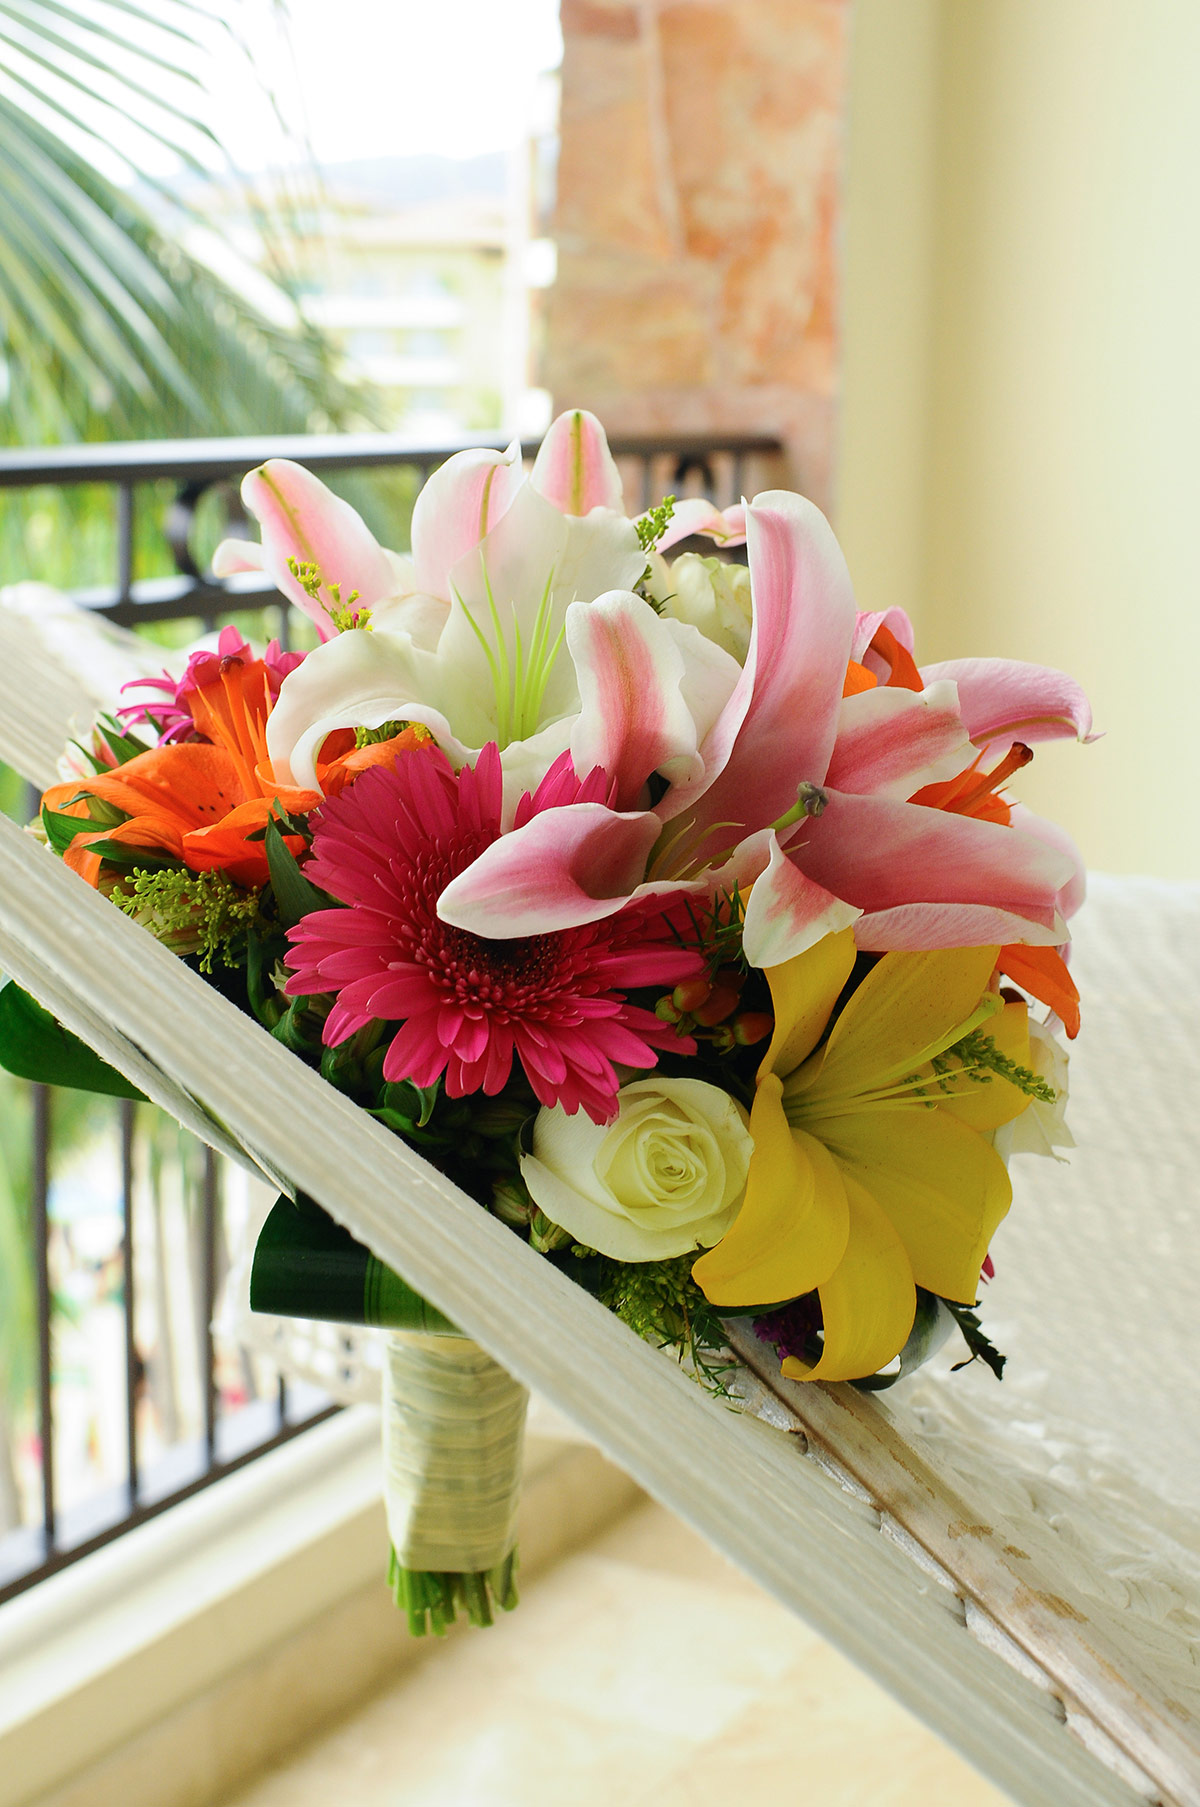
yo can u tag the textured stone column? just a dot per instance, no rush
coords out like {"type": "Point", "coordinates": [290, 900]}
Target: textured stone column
{"type": "Point", "coordinates": [697, 219]}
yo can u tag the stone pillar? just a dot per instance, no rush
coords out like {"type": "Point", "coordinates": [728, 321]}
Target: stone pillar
{"type": "Point", "coordinates": [697, 220]}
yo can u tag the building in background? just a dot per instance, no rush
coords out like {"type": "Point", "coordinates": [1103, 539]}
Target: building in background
{"type": "Point", "coordinates": [426, 273]}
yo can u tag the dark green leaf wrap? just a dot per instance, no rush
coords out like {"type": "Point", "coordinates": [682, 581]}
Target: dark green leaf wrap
{"type": "Point", "coordinates": [307, 1266]}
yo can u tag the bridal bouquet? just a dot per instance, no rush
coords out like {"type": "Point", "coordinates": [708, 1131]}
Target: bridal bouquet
{"type": "Point", "coordinates": [663, 902]}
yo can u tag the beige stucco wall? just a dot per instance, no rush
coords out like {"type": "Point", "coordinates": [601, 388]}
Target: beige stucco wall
{"type": "Point", "coordinates": [697, 219]}
{"type": "Point", "coordinates": [1020, 454]}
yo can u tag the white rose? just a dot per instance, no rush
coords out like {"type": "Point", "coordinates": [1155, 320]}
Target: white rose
{"type": "Point", "coordinates": [715, 597]}
{"type": "Point", "coordinates": [667, 1175]}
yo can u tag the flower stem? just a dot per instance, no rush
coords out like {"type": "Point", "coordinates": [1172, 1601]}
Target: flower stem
{"type": "Point", "coordinates": [432, 1601]}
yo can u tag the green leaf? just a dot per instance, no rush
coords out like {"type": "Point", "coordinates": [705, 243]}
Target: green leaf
{"type": "Point", "coordinates": [973, 1336]}
{"type": "Point", "coordinates": [62, 829]}
{"type": "Point", "coordinates": [307, 1266]}
{"type": "Point", "coordinates": [123, 747]}
{"type": "Point", "coordinates": [34, 1046]}
{"type": "Point", "coordinates": [294, 896]}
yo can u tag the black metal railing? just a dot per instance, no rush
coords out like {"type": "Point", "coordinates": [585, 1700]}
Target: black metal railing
{"type": "Point", "coordinates": [180, 479]}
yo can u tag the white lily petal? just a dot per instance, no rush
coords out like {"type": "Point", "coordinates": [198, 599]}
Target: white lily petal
{"type": "Point", "coordinates": [574, 468]}
{"type": "Point", "coordinates": [459, 505]}
{"type": "Point", "coordinates": [359, 679]}
{"type": "Point", "coordinates": [504, 637]}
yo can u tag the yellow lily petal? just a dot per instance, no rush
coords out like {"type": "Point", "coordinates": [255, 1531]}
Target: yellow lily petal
{"type": "Point", "coordinates": [868, 1303]}
{"type": "Point", "coordinates": [987, 1106]}
{"type": "Point", "coordinates": [791, 1231]}
{"type": "Point", "coordinates": [804, 991]}
{"type": "Point", "coordinates": [903, 1013]}
{"type": "Point", "coordinates": [944, 1188]}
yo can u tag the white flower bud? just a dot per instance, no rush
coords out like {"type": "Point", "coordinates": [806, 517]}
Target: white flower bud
{"type": "Point", "coordinates": [714, 596]}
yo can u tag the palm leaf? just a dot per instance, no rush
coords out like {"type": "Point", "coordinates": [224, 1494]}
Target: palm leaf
{"type": "Point", "coordinates": [108, 327]}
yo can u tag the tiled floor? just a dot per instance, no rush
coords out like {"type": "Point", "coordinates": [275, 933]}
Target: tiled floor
{"type": "Point", "coordinates": [643, 1672]}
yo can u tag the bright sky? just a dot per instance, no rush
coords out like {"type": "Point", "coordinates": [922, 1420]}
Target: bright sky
{"type": "Point", "coordinates": [378, 78]}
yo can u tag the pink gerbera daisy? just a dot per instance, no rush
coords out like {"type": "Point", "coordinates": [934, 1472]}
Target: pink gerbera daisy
{"type": "Point", "coordinates": [388, 847]}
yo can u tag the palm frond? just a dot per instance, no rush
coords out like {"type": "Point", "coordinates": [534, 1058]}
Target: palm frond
{"type": "Point", "coordinates": [108, 327]}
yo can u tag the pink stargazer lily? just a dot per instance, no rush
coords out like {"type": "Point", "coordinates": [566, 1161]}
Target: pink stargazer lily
{"type": "Point", "coordinates": [484, 645]}
{"type": "Point", "coordinates": [786, 786]}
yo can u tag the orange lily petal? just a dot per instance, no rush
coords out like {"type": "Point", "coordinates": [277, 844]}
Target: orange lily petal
{"type": "Point", "coordinates": [1044, 974]}
{"type": "Point", "coordinates": [344, 769]}
{"type": "Point", "coordinates": [224, 844]}
{"type": "Point", "coordinates": [858, 678]}
{"type": "Point", "coordinates": [904, 674]}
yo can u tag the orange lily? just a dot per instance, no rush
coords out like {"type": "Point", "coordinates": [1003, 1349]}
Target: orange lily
{"type": "Point", "coordinates": [194, 801]}
{"type": "Point", "coordinates": [1041, 971]}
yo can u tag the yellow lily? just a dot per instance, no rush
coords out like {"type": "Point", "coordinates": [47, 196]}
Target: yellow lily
{"type": "Point", "coordinates": [871, 1173]}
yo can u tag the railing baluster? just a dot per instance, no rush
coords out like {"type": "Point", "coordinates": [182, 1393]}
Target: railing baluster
{"type": "Point", "coordinates": [133, 1377]}
{"type": "Point", "coordinates": [42, 1117]}
{"type": "Point", "coordinates": [208, 1223]}
{"type": "Point", "coordinates": [125, 512]}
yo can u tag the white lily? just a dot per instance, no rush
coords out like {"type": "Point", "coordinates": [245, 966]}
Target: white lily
{"type": "Point", "coordinates": [490, 641]}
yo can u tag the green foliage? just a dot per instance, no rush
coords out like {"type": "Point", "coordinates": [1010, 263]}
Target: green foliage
{"type": "Point", "coordinates": [202, 913]}
{"type": "Point", "coordinates": [34, 1046]}
{"type": "Point", "coordinates": [981, 1349]}
{"type": "Point", "coordinates": [109, 328]}
{"type": "Point", "coordinates": [294, 895]}
{"type": "Point", "coordinates": [432, 1601]}
{"type": "Point", "coordinates": [663, 1304]}
{"type": "Point", "coordinates": [654, 523]}
{"type": "Point", "coordinates": [373, 737]}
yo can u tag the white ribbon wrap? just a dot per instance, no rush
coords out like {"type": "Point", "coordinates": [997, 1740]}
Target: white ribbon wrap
{"type": "Point", "coordinates": [453, 1428]}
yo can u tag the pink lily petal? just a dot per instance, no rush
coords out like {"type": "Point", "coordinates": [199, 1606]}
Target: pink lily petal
{"type": "Point", "coordinates": [1072, 894]}
{"type": "Point", "coordinates": [458, 507]}
{"type": "Point", "coordinates": [1003, 700]}
{"type": "Point", "coordinates": [891, 742]}
{"type": "Point", "coordinates": [301, 519]}
{"type": "Point", "coordinates": [779, 726]}
{"type": "Point", "coordinates": [727, 526]}
{"type": "Point", "coordinates": [916, 927]}
{"type": "Point", "coordinates": [634, 689]}
{"type": "Point", "coordinates": [574, 468]}
{"type": "Point", "coordinates": [883, 856]}
{"type": "Point", "coordinates": [564, 868]}
{"type": "Point", "coordinates": [788, 912]}
{"type": "Point", "coordinates": [869, 625]}
{"type": "Point", "coordinates": [235, 556]}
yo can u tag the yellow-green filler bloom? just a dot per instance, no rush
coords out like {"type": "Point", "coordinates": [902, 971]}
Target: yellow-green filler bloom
{"type": "Point", "coordinates": [872, 1172]}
